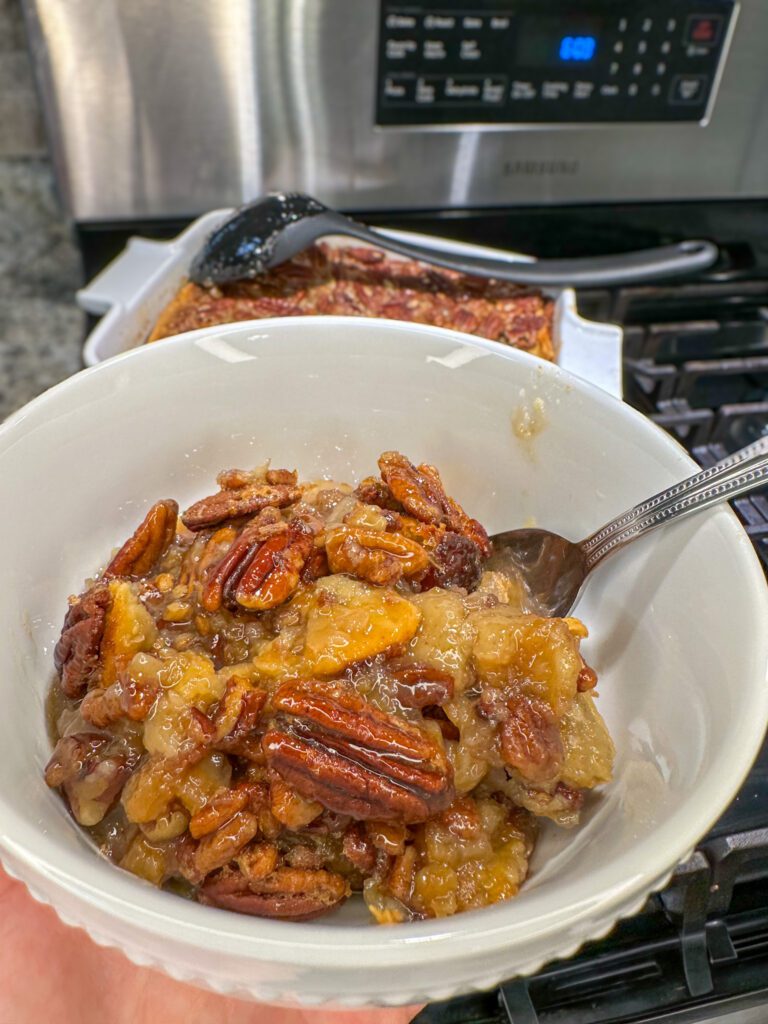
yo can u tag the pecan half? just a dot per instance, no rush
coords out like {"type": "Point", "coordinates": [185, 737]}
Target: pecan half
{"type": "Point", "coordinates": [91, 780]}
{"type": "Point", "coordinates": [222, 577]}
{"type": "Point", "coordinates": [274, 571]}
{"type": "Point", "coordinates": [354, 759]}
{"type": "Point", "coordinates": [379, 557]}
{"type": "Point", "coordinates": [76, 655]}
{"type": "Point", "coordinates": [418, 685]}
{"type": "Point", "coordinates": [237, 717]}
{"type": "Point", "coordinates": [257, 860]}
{"type": "Point", "coordinates": [262, 568]}
{"type": "Point", "coordinates": [420, 490]}
{"type": "Point", "coordinates": [150, 540]}
{"type": "Point", "coordinates": [219, 847]}
{"type": "Point", "coordinates": [530, 740]}
{"type": "Point", "coordinates": [225, 804]}
{"type": "Point", "coordinates": [288, 893]}
{"type": "Point", "coordinates": [235, 502]}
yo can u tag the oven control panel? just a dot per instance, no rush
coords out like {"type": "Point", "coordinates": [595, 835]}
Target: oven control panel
{"type": "Point", "coordinates": [549, 61]}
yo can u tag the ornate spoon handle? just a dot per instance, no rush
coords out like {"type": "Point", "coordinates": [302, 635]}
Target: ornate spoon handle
{"type": "Point", "coordinates": [741, 472]}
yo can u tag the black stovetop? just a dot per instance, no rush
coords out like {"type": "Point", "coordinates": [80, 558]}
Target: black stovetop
{"type": "Point", "coordinates": [696, 362]}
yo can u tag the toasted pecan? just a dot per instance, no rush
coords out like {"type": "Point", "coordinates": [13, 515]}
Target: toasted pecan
{"type": "Point", "coordinates": [150, 540]}
{"type": "Point", "coordinates": [234, 503]}
{"type": "Point", "coordinates": [76, 655]}
{"type": "Point", "coordinates": [354, 759]}
{"type": "Point", "coordinates": [421, 492]}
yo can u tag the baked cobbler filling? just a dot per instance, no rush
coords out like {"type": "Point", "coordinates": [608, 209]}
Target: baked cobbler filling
{"type": "Point", "coordinates": [298, 691]}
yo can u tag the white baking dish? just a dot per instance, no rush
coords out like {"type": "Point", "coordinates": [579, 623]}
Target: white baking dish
{"type": "Point", "coordinates": [132, 291]}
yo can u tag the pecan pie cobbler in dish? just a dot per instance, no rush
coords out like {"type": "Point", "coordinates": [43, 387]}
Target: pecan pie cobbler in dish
{"type": "Point", "coordinates": [362, 281]}
{"type": "Point", "coordinates": [294, 692]}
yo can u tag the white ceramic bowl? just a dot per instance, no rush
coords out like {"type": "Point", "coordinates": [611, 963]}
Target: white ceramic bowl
{"type": "Point", "coordinates": [678, 625]}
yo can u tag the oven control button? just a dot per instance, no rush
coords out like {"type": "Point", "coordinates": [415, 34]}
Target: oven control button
{"type": "Point", "coordinates": [688, 88]}
{"type": "Point", "coordinates": [425, 91]}
{"type": "Point", "coordinates": [398, 90]}
{"type": "Point", "coordinates": [400, 49]}
{"type": "Point", "coordinates": [554, 90]}
{"type": "Point", "coordinates": [583, 90]}
{"type": "Point", "coordinates": [434, 49]}
{"type": "Point", "coordinates": [609, 90]}
{"type": "Point", "coordinates": [494, 90]}
{"type": "Point", "coordinates": [438, 21]}
{"type": "Point", "coordinates": [523, 91]}
{"type": "Point", "coordinates": [703, 29]}
{"type": "Point", "coordinates": [469, 49]}
{"type": "Point", "coordinates": [464, 89]}
{"type": "Point", "coordinates": [400, 21]}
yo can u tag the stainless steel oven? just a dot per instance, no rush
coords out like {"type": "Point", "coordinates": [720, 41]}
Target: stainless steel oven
{"type": "Point", "coordinates": [162, 109]}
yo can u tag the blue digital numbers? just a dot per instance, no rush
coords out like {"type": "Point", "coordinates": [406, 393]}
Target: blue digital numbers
{"type": "Point", "coordinates": [577, 48]}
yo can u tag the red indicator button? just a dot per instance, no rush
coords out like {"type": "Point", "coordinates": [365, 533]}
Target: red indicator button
{"type": "Point", "coordinates": [703, 29]}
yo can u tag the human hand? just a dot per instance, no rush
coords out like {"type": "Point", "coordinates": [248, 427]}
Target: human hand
{"type": "Point", "coordinates": [55, 974]}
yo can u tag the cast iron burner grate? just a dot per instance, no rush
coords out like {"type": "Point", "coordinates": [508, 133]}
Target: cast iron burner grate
{"type": "Point", "coordinates": [696, 362]}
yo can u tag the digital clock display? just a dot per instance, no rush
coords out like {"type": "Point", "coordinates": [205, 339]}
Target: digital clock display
{"type": "Point", "coordinates": [549, 42]}
{"type": "Point", "coordinates": [577, 48]}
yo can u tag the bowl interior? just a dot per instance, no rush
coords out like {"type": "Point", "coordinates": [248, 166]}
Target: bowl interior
{"type": "Point", "coordinates": [675, 621]}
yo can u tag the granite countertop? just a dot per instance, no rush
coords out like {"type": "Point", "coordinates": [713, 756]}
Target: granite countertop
{"type": "Point", "coordinates": [41, 328]}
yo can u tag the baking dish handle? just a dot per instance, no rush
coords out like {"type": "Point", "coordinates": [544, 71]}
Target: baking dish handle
{"type": "Point", "coordinates": [122, 279]}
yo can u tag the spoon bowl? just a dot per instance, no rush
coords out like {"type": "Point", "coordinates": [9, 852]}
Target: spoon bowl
{"type": "Point", "coordinates": [554, 569]}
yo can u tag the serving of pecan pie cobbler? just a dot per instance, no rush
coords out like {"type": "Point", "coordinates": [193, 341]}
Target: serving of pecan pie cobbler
{"type": "Point", "coordinates": [295, 692]}
{"type": "Point", "coordinates": [362, 281]}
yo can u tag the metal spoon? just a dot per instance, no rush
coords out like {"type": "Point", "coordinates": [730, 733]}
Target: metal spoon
{"type": "Point", "coordinates": [554, 569]}
{"type": "Point", "coordinates": [273, 229]}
